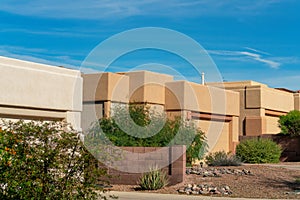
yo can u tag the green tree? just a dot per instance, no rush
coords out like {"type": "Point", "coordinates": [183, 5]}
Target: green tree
{"type": "Point", "coordinates": [45, 160]}
{"type": "Point", "coordinates": [158, 131]}
{"type": "Point", "coordinates": [290, 123]}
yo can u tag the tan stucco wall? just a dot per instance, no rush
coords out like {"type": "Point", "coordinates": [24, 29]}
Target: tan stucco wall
{"type": "Point", "coordinates": [273, 99]}
{"type": "Point", "coordinates": [215, 110]}
{"type": "Point", "coordinates": [218, 141]}
{"type": "Point", "coordinates": [145, 86]}
{"type": "Point", "coordinates": [272, 125]}
{"type": "Point", "coordinates": [105, 87]}
{"type": "Point", "coordinates": [183, 95]}
{"type": "Point", "coordinates": [32, 90]}
{"type": "Point", "coordinates": [261, 106]}
{"type": "Point", "coordinates": [297, 101]}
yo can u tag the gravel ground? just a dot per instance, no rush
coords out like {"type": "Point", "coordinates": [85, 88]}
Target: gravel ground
{"type": "Point", "coordinates": [276, 182]}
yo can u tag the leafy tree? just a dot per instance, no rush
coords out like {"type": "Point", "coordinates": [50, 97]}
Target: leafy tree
{"type": "Point", "coordinates": [153, 130]}
{"type": "Point", "coordinates": [45, 160]}
{"type": "Point", "coordinates": [290, 123]}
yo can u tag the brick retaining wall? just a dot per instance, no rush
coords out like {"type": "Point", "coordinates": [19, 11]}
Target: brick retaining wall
{"type": "Point", "coordinates": [135, 160]}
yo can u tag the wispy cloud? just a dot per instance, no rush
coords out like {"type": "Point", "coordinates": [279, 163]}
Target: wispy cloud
{"type": "Point", "coordinates": [252, 55]}
{"type": "Point", "coordinates": [258, 51]}
{"type": "Point", "coordinates": [60, 33]}
{"type": "Point", "coordinates": [258, 58]}
{"type": "Point", "coordinates": [39, 56]}
{"type": "Point", "coordinates": [95, 9]}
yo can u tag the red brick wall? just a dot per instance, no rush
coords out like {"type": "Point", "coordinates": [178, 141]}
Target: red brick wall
{"type": "Point", "coordinates": [130, 167]}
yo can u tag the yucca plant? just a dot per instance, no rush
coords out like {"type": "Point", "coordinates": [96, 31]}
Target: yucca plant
{"type": "Point", "coordinates": [154, 179]}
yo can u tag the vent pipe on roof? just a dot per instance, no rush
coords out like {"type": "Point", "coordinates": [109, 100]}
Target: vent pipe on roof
{"type": "Point", "coordinates": [202, 78]}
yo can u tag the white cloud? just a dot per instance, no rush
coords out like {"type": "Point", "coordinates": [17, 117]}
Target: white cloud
{"type": "Point", "coordinates": [244, 56]}
{"type": "Point", "coordinates": [258, 58]}
{"type": "Point", "coordinates": [105, 9]}
{"type": "Point", "coordinates": [60, 33]}
{"type": "Point", "coordinates": [258, 51]}
{"type": "Point", "coordinates": [37, 55]}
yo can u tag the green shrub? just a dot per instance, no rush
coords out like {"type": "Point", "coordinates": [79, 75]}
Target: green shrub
{"type": "Point", "coordinates": [40, 160]}
{"type": "Point", "coordinates": [290, 123]}
{"type": "Point", "coordinates": [171, 132]}
{"type": "Point", "coordinates": [258, 151]}
{"type": "Point", "coordinates": [221, 158]}
{"type": "Point", "coordinates": [153, 180]}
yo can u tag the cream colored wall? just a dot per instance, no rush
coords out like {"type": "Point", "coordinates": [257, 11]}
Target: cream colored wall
{"type": "Point", "coordinates": [53, 92]}
{"type": "Point", "coordinates": [235, 129]}
{"type": "Point", "coordinates": [218, 141]}
{"type": "Point", "coordinates": [91, 112]}
{"type": "Point", "coordinates": [277, 100]}
{"type": "Point", "coordinates": [179, 98]}
{"type": "Point", "coordinates": [145, 86]}
{"type": "Point", "coordinates": [269, 98]}
{"type": "Point", "coordinates": [297, 101]}
{"type": "Point", "coordinates": [35, 85]}
{"type": "Point", "coordinates": [201, 98]}
{"type": "Point", "coordinates": [105, 87]}
{"type": "Point", "coordinates": [272, 125]}
{"type": "Point", "coordinates": [256, 102]}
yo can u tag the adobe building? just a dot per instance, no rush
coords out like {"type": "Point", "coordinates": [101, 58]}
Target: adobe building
{"type": "Point", "coordinates": [261, 106]}
{"type": "Point", "coordinates": [215, 110]}
{"type": "Point", "coordinates": [33, 91]}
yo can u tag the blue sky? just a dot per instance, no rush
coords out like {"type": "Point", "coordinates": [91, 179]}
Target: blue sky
{"type": "Point", "coordinates": [248, 40]}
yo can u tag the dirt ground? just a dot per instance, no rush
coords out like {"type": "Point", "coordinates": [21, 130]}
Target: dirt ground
{"type": "Point", "coordinates": [275, 181]}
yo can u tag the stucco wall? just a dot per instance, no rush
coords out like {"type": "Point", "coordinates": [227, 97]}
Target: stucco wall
{"type": "Point", "coordinates": [145, 86]}
{"type": "Point", "coordinates": [297, 101]}
{"type": "Point", "coordinates": [38, 91]}
{"type": "Point", "coordinates": [105, 87]}
{"type": "Point", "coordinates": [261, 106]}
{"type": "Point", "coordinates": [183, 95]}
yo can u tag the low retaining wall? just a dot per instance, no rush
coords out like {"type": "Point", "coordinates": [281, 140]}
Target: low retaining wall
{"type": "Point", "coordinates": [289, 145]}
{"type": "Point", "coordinates": [137, 160]}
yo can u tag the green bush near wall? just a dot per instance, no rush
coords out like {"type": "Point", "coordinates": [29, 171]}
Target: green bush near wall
{"type": "Point", "coordinates": [45, 160]}
{"type": "Point", "coordinates": [156, 130]}
{"type": "Point", "coordinates": [290, 123]}
{"type": "Point", "coordinates": [258, 151]}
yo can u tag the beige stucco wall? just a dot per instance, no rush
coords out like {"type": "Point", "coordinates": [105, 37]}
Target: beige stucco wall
{"type": "Point", "coordinates": [105, 87]}
{"type": "Point", "coordinates": [177, 98]}
{"type": "Point", "coordinates": [219, 141]}
{"type": "Point", "coordinates": [146, 86]}
{"type": "Point", "coordinates": [183, 95]}
{"type": "Point", "coordinates": [297, 101]}
{"type": "Point", "coordinates": [38, 91]}
{"type": "Point", "coordinates": [261, 106]}
{"type": "Point", "coordinates": [272, 125]}
{"type": "Point", "coordinates": [274, 99]}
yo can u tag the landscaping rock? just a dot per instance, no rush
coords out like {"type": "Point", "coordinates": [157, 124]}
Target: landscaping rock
{"type": "Point", "coordinates": [205, 190]}
{"type": "Point", "coordinates": [217, 172]}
